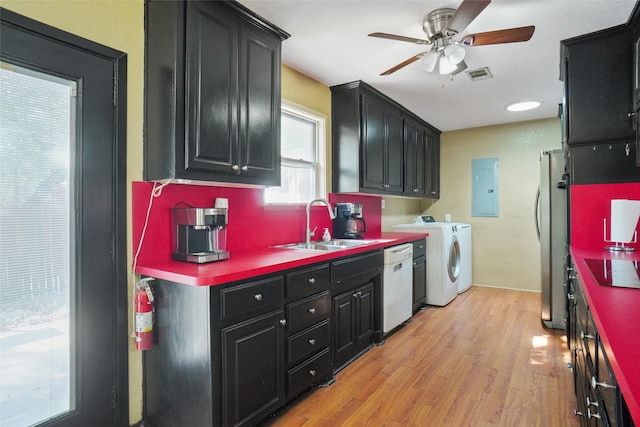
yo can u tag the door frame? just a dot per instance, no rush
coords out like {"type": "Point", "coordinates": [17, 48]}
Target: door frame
{"type": "Point", "coordinates": [120, 338]}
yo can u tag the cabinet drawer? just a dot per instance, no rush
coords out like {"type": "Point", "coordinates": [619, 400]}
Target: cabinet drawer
{"type": "Point", "coordinates": [419, 248]}
{"type": "Point", "coordinates": [252, 298]}
{"type": "Point", "coordinates": [355, 266]}
{"type": "Point", "coordinates": [308, 281]}
{"type": "Point", "coordinates": [308, 342]}
{"type": "Point", "coordinates": [308, 311]}
{"type": "Point", "coordinates": [311, 372]}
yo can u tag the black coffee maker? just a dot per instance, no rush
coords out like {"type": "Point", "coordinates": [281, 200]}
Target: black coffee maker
{"type": "Point", "coordinates": [349, 223]}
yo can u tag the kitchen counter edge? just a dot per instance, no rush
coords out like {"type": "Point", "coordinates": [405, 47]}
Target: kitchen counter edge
{"type": "Point", "coordinates": [616, 314]}
{"type": "Point", "coordinates": [256, 262]}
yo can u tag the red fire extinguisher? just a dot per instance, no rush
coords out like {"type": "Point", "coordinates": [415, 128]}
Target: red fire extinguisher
{"type": "Point", "coordinates": [144, 317]}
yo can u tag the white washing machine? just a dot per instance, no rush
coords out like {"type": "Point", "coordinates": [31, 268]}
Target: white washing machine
{"type": "Point", "coordinates": [448, 257]}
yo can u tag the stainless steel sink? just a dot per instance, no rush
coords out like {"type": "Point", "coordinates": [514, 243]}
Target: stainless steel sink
{"type": "Point", "coordinates": [311, 246]}
{"type": "Point", "coordinates": [331, 245]}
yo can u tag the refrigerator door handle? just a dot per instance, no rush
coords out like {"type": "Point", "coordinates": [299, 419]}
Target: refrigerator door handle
{"type": "Point", "coordinates": [536, 213]}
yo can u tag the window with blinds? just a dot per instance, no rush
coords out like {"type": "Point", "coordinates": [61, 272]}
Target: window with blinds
{"type": "Point", "coordinates": [36, 137]}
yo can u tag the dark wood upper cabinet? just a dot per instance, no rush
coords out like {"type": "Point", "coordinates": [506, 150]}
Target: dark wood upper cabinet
{"type": "Point", "coordinates": [415, 156]}
{"type": "Point", "coordinates": [634, 23]}
{"type": "Point", "coordinates": [212, 93]}
{"type": "Point", "coordinates": [378, 146]}
{"type": "Point", "coordinates": [597, 71]}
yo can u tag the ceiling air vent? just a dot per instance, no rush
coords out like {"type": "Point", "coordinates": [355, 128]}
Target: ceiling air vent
{"type": "Point", "coordinates": [479, 74]}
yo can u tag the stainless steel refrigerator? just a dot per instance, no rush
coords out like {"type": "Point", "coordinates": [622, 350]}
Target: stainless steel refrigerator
{"type": "Point", "coordinates": [552, 226]}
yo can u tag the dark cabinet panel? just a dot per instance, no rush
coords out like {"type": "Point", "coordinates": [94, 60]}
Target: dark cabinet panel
{"type": "Point", "coordinates": [381, 146]}
{"type": "Point", "coordinates": [212, 93]}
{"type": "Point", "coordinates": [253, 366]}
{"type": "Point", "coordinates": [419, 283]}
{"type": "Point", "coordinates": [252, 298]}
{"type": "Point", "coordinates": [597, 72]}
{"type": "Point", "coordinates": [344, 331]}
{"type": "Point", "coordinates": [415, 157]}
{"type": "Point", "coordinates": [603, 163]}
{"type": "Point", "coordinates": [433, 165]}
{"type": "Point", "coordinates": [259, 133]}
{"type": "Point", "coordinates": [299, 378]}
{"type": "Point", "coordinates": [211, 96]}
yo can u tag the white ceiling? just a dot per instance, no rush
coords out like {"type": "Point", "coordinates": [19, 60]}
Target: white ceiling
{"type": "Point", "coordinates": [329, 43]}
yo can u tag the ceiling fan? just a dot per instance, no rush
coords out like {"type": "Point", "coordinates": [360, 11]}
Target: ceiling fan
{"type": "Point", "coordinates": [441, 26]}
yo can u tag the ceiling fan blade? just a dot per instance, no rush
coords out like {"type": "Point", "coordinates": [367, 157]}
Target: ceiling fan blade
{"type": "Point", "coordinates": [460, 68]}
{"type": "Point", "coordinates": [399, 38]}
{"type": "Point", "coordinates": [401, 65]}
{"type": "Point", "coordinates": [466, 12]}
{"type": "Point", "coordinates": [511, 35]}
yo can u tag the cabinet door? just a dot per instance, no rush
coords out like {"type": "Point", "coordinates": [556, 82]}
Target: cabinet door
{"type": "Point", "coordinates": [252, 369]}
{"type": "Point", "coordinates": [419, 283]}
{"type": "Point", "coordinates": [344, 334]}
{"type": "Point", "coordinates": [364, 316]}
{"type": "Point", "coordinates": [259, 130]}
{"type": "Point", "coordinates": [373, 144]}
{"type": "Point", "coordinates": [394, 151]}
{"type": "Point", "coordinates": [433, 165]}
{"type": "Point", "coordinates": [211, 89]}
{"type": "Point", "coordinates": [414, 159]}
{"type": "Point", "coordinates": [599, 93]}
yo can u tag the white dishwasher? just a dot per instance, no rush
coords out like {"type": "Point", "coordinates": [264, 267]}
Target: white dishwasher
{"type": "Point", "coordinates": [397, 295]}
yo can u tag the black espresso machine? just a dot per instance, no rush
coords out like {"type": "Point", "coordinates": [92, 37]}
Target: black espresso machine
{"type": "Point", "coordinates": [349, 222]}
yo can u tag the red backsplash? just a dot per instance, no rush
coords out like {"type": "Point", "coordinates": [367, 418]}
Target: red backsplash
{"type": "Point", "coordinates": [589, 205]}
{"type": "Point", "coordinates": [251, 224]}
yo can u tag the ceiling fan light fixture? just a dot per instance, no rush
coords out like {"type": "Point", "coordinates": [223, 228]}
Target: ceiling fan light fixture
{"type": "Point", "coordinates": [523, 105]}
{"type": "Point", "coordinates": [446, 67]}
{"type": "Point", "coordinates": [428, 61]}
{"type": "Point", "coordinates": [454, 53]}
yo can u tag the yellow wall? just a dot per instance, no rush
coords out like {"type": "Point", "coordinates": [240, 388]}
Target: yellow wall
{"type": "Point", "coordinates": [506, 252]}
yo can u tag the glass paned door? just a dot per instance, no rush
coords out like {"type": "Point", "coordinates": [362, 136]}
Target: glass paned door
{"type": "Point", "coordinates": [37, 127]}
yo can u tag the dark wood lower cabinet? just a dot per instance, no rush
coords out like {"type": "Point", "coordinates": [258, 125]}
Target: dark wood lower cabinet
{"type": "Point", "coordinates": [353, 324]}
{"type": "Point", "coordinates": [598, 398]}
{"type": "Point", "coordinates": [231, 355]}
{"type": "Point", "coordinates": [252, 369]}
{"type": "Point", "coordinates": [419, 283]}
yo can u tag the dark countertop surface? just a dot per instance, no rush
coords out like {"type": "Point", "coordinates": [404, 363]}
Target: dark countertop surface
{"type": "Point", "coordinates": [616, 313]}
{"type": "Point", "coordinates": [259, 261]}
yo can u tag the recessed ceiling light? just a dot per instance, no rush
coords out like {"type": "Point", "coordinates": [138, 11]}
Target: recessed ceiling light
{"type": "Point", "coordinates": [523, 105]}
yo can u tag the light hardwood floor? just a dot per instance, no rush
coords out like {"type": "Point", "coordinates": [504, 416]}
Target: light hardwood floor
{"type": "Point", "coordinates": [483, 360]}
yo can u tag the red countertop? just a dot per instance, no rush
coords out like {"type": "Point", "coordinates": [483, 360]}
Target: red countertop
{"type": "Point", "coordinates": [249, 263]}
{"type": "Point", "coordinates": [616, 313]}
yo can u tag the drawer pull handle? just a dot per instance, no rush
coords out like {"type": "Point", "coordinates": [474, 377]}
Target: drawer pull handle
{"type": "Point", "coordinates": [587, 336]}
{"type": "Point", "coordinates": [258, 297]}
{"type": "Point", "coordinates": [312, 281]}
{"type": "Point", "coordinates": [595, 383]}
{"type": "Point", "coordinates": [592, 414]}
{"type": "Point", "coordinates": [313, 372]}
{"type": "Point", "coordinates": [312, 310]}
{"type": "Point", "coordinates": [591, 402]}
{"type": "Point", "coordinates": [312, 341]}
